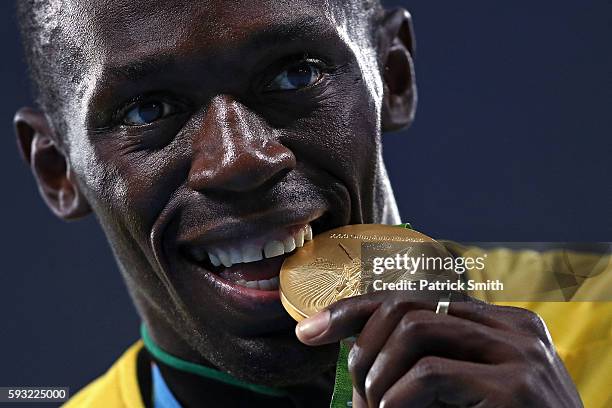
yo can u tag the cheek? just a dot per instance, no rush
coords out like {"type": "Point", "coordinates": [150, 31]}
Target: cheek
{"type": "Point", "coordinates": [342, 136]}
{"type": "Point", "coordinates": [132, 188]}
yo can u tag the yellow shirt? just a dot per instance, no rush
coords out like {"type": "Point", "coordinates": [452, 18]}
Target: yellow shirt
{"type": "Point", "coordinates": [117, 388]}
{"type": "Point", "coordinates": [581, 331]}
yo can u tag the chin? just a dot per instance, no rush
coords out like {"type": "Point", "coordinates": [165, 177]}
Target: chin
{"type": "Point", "coordinates": [276, 361]}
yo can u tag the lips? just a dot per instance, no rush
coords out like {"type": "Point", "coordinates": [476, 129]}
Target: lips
{"type": "Point", "coordinates": [253, 262]}
{"type": "Point", "coordinates": [221, 295]}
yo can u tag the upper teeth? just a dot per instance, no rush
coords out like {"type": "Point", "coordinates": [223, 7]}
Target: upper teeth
{"type": "Point", "coordinates": [252, 252]}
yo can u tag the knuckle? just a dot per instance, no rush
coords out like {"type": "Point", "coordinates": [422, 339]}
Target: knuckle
{"type": "Point", "coordinates": [536, 351]}
{"type": "Point", "coordinates": [531, 320]}
{"type": "Point", "coordinates": [528, 322]}
{"type": "Point", "coordinates": [393, 307]}
{"type": "Point", "coordinates": [428, 369]}
{"type": "Point", "coordinates": [537, 326]}
{"type": "Point", "coordinates": [523, 386]}
{"type": "Point", "coordinates": [408, 326]}
{"type": "Point", "coordinates": [412, 323]}
{"type": "Point", "coordinates": [533, 354]}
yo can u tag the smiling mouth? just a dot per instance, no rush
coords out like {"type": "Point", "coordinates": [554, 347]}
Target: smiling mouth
{"type": "Point", "coordinates": [252, 263]}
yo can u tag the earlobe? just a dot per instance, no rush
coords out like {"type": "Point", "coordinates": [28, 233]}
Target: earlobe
{"type": "Point", "coordinates": [49, 165]}
{"type": "Point", "coordinates": [397, 48]}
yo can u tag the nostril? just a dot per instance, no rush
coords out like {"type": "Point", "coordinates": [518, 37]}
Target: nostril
{"type": "Point", "coordinates": [275, 179]}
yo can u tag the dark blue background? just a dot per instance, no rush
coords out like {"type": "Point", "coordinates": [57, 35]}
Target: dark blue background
{"type": "Point", "coordinates": [512, 138]}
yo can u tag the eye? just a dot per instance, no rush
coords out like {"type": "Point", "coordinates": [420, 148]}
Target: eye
{"type": "Point", "coordinates": [148, 112]}
{"type": "Point", "coordinates": [297, 76]}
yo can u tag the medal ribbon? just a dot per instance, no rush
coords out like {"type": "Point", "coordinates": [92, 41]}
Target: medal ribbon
{"type": "Point", "coordinates": [203, 371]}
{"type": "Point", "coordinates": [343, 386]}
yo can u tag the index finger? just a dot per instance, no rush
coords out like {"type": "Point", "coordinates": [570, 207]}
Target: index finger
{"type": "Point", "coordinates": [347, 317]}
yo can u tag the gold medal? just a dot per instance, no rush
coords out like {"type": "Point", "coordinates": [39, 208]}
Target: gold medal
{"type": "Point", "coordinates": [336, 265]}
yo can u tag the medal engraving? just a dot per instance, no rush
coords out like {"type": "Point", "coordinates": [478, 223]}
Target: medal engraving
{"type": "Point", "coordinates": [330, 268]}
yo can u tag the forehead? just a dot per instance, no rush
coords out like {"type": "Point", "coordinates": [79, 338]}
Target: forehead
{"type": "Point", "coordinates": [205, 21]}
{"type": "Point", "coordinates": [134, 25]}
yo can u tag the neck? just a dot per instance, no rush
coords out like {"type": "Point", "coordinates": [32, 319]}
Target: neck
{"type": "Point", "coordinates": [194, 391]}
{"type": "Point", "coordinates": [195, 385]}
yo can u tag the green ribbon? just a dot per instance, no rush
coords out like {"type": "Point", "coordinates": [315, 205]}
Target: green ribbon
{"type": "Point", "coordinates": [343, 385]}
{"type": "Point", "coordinates": [203, 371]}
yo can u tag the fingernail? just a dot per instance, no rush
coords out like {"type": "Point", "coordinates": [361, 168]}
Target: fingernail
{"type": "Point", "coordinates": [313, 326]}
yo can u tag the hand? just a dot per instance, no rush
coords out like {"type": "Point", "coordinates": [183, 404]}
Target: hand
{"type": "Point", "coordinates": [479, 355]}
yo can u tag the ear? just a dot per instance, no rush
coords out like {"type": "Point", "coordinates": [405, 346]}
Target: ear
{"type": "Point", "coordinates": [49, 165]}
{"type": "Point", "coordinates": [396, 50]}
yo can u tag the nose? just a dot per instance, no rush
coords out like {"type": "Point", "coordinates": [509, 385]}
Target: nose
{"type": "Point", "coordinates": [236, 150]}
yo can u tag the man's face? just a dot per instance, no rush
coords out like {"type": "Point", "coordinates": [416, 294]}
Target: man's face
{"type": "Point", "coordinates": [223, 128]}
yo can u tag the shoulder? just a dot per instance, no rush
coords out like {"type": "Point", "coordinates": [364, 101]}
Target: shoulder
{"type": "Point", "coordinates": [117, 388]}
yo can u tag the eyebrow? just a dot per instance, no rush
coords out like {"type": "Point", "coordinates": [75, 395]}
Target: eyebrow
{"type": "Point", "coordinates": [141, 68]}
{"type": "Point", "coordinates": [271, 35]}
{"type": "Point", "coordinates": [298, 28]}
